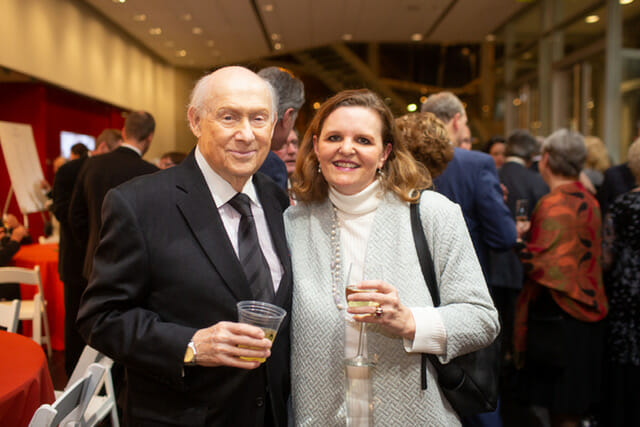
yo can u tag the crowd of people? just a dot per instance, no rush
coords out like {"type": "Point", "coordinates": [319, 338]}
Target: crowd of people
{"type": "Point", "coordinates": [535, 249]}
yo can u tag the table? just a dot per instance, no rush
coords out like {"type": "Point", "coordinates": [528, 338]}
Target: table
{"type": "Point", "coordinates": [25, 383]}
{"type": "Point", "coordinates": [46, 256]}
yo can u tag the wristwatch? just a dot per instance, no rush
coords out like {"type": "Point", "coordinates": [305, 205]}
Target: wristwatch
{"type": "Point", "coordinates": [190, 354]}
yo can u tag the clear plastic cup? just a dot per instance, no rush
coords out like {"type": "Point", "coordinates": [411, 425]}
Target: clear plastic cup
{"type": "Point", "coordinates": [263, 315]}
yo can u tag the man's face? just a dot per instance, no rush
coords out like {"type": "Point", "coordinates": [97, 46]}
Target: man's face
{"type": "Point", "coordinates": [464, 139]}
{"type": "Point", "coordinates": [234, 130]}
{"type": "Point", "coordinates": [289, 152]}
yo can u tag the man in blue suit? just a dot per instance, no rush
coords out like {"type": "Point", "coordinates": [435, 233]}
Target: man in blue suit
{"type": "Point", "coordinates": [471, 180]}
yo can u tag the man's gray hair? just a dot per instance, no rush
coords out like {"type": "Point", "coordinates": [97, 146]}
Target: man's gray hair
{"type": "Point", "coordinates": [444, 105]}
{"type": "Point", "coordinates": [566, 151]}
{"type": "Point", "coordinates": [521, 144]}
{"type": "Point", "coordinates": [289, 88]}
{"type": "Point", "coordinates": [200, 96]}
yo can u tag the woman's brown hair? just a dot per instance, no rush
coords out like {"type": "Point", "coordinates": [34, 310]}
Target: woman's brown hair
{"type": "Point", "coordinates": [400, 173]}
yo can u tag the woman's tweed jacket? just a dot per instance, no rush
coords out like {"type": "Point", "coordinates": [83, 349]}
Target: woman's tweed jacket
{"type": "Point", "coordinates": [467, 311]}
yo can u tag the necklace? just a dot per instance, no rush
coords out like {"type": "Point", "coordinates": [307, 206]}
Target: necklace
{"type": "Point", "coordinates": [336, 263]}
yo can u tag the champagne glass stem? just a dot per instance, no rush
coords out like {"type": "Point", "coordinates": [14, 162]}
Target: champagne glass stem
{"type": "Point", "coordinates": [361, 340]}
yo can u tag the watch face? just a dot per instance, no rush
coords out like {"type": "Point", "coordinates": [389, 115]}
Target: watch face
{"type": "Point", "coordinates": [188, 355]}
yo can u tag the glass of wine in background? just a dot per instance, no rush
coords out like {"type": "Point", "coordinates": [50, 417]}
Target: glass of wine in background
{"type": "Point", "coordinates": [522, 210]}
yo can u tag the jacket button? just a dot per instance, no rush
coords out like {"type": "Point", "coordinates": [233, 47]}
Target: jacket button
{"type": "Point", "coordinates": [259, 402]}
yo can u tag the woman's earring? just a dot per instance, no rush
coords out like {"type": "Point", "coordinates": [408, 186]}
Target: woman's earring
{"type": "Point", "coordinates": [380, 172]}
{"type": "Point", "coordinates": [319, 168]}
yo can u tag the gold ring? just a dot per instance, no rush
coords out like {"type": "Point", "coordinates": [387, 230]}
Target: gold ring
{"type": "Point", "coordinates": [379, 311]}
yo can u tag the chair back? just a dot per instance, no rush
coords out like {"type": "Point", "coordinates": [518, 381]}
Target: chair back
{"type": "Point", "coordinates": [9, 315]}
{"type": "Point", "coordinates": [71, 405]}
{"type": "Point", "coordinates": [28, 276]}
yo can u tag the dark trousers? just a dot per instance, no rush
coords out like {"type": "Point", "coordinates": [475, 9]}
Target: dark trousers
{"type": "Point", "coordinates": [73, 342]}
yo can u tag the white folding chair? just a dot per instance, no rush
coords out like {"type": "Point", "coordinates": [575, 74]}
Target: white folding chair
{"type": "Point", "coordinates": [100, 404]}
{"type": "Point", "coordinates": [9, 315]}
{"type": "Point", "coordinates": [34, 310]}
{"type": "Point", "coordinates": [69, 408]}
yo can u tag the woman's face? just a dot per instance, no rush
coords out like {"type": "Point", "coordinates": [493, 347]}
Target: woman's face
{"type": "Point", "coordinates": [497, 152]}
{"type": "Point", "coordinates": [349, 148]}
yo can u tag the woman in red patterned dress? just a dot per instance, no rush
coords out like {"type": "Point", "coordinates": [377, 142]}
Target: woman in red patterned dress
{"type": "Point", "coordinates": [558, 328]}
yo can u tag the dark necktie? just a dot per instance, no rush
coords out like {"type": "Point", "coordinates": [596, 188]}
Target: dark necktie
{"type": "Point", "coordinates": [251, 257]}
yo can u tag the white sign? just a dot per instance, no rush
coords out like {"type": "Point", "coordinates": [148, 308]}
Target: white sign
{"type": "Point", "coordinates": [21, 158]}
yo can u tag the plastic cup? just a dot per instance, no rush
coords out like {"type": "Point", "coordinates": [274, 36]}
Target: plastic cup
{"type": "Point", "coordinates": [263, 315]}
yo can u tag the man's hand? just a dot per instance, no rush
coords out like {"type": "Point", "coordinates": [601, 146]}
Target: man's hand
{"type": "Point", "coordinates": [11, 221]}
{"type": "Point", "coordinates": [217, 345]}
{"type": "Point", "coordinates": [19, 233]}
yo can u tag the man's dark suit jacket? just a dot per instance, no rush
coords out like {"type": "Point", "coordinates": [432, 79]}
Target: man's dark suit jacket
{"type": "Point", "coordinates": [165, 268]}
{"type": "Point", "coordinates": [98, 175]}
{"type": "Point", "coordinates": [617, 180]}
{"type": "Point", "coordinates": [71, 254]}
{"type": "Point", "coordinates": [275, 168]}
{"type": "Point", "coordinates": [471, 180]}
{"type": "Point", "coordinates": [522, 183]}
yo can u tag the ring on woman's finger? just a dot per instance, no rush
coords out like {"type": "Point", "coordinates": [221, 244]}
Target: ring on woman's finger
{"type": "Point", "coordinates": [379, 311]}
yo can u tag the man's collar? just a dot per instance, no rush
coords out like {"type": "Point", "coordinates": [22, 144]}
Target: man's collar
{"type": "Point", "coordinates": [132, 147]}
{"type": "Point", "coordinates": [221, 189]}
{"type": "Point", "coordinates": [515, 159]}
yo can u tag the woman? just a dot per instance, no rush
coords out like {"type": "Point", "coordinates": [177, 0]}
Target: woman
{"type": "Point", "coordinates": [496, 148]}
{"type": "Point", "coordinates": [353, 183]}
{"type": "Point", "coordinates": [427, 140]}
{"type": "Point", "coordinates": [559, 311]}
{"type": "Point", "coordinates": [621, 255]}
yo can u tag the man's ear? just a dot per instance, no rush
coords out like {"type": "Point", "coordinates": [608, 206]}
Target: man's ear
{"type": "Point", "coordinates": [289, 118]}
{"type": "Point", "coordinates": [456, 122]}
{"type": "Point", "coordinates": [194, 121]}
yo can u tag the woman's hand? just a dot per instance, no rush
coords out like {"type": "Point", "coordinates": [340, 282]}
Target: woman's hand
{"type": "Point", "coordinates": [385, 309]}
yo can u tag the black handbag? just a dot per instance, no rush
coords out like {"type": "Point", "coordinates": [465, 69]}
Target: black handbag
{"type": "Point", "coordinates": [469, 382]}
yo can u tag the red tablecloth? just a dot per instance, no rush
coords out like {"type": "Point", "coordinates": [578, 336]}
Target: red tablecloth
{"type": "Point", "coordinates": [25, 383]}
{"type": "Point", "coordinates": [46, 256]}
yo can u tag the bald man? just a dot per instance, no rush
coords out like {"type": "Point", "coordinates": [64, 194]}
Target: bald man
{"type": "Point", "coordinates": [166, 275]}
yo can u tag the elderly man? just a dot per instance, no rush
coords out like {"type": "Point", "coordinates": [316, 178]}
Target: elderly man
{"type": "Point", "coordinates": [290, 92]}
{"type": "Point", "coordinates": [167, 273]}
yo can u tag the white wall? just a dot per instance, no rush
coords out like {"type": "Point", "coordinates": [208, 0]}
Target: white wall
{"type": "Point", "coordinates": [68, 44]}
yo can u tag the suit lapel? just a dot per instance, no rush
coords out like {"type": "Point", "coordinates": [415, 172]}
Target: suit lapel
{"type": "Point", "coordinates": [194, 200]}
{"type": "Point", "coordinates": [273, 214]}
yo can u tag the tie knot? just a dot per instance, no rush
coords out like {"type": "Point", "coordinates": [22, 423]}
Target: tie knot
{"type": "Point", "coordinates": [242, 204]}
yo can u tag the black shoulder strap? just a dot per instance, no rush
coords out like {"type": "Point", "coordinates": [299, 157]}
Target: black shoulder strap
{"type": "Point", "coordinates": [424, 254]}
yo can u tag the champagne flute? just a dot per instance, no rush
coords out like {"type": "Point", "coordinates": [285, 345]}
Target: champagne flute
{"type": "Point", "coordinates": [522, 210]}
{"type": "Point", "coordinates": [360, 359]}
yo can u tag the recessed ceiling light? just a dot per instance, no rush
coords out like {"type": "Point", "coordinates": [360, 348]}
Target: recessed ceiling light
{"type": "Point", "coordinates": [141, 17]}
{"type": "Point", "coordinates": [623, 2]}
{"type": "Point", "coordinates": [211, 43]}
{"type": "Point", "coordinates": [155, 31]}
{"type": "Point", "coordinates": [181, 53]}
{"type": "Point", "coordinates": [277, 46]}
{"type": "Point", "coordinates": [268, 8]}
{"type": "Point", "coordinates": [119, 1]}
{"type": "Point", "coordinates": [316, 105]}
{"type": "Point", "coordinates": [196, 30]}
{"type": "Point", "coordinates": [275, 37]}
{"type": "Point", "coordinates": [186, 17]}
{"type": "Point", "coordinates": [416, 37]}
{"type": "Point", "coordinates": [347, 37]}
{"type": "Point", "coordinates": [423, 99]}
{"type": "Point", "coordinates": [591, 19]}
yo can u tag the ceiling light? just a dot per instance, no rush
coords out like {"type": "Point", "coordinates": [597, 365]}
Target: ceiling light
{"type": "Point", "coordinates": [155, 31]}
{"type": "Point", "coordinates": [347, 37]}
{"type": "Point", "coordinates": [196, 30]}
{"type": "Point", "coordinates": [119, 1]}
{"type": "Point", "coordinates": [490, 37]}
{"type": "Point", "coordinates": [416, 37]}
{"type": "Point", "coordinates": [623, 2]}
{"type": "Point", "coordinates": [186, 17]}
{"type": "Point", "coordinates": [141, 17]}
{"type": "Point", "coordinates": [268, 8]}
{"type": "Point", "coordinates": [181, 53]}
{"type": "Point", "coordinates": [275, 37]}
{"type": "Point", "coordinates": [277, 46]}
{"type": "Point", "coordinates": [423, 99]}
{"type": "Point", "coordinates": [211, 43]}
{"type": "Point", "coordinates": [316, 105]}
{"type": "Point", "coordinates": [412, 108]}
{"type": "Point", "coordinates": [591, 19]}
